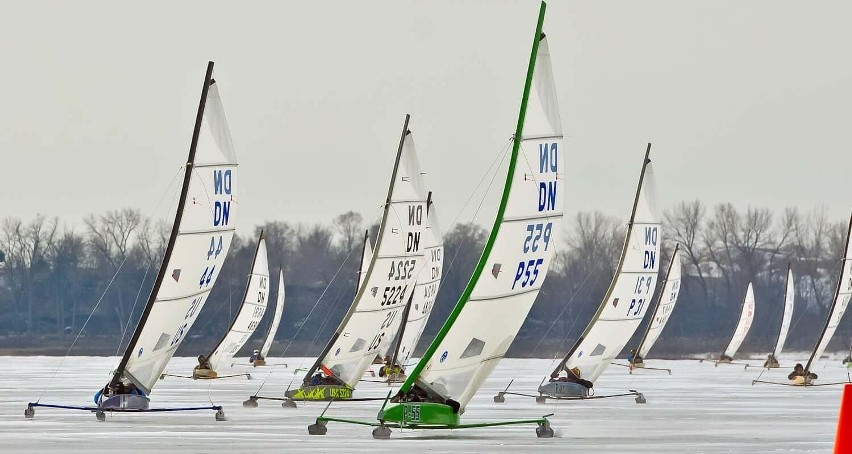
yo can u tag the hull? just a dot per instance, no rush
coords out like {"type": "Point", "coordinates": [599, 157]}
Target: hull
{"type": "Point", "coordinates": [563, 389]}
{"type": "Point", "coordinates": [420, 414]}
{"type": "Point", "coordinates": [125, 402]}
{"type": "Point", "coordinates": [801, 381]}
{"type": "Point", "coordinates": [395, 378]}
{"type": "Point", "coordinates": [202, 374]}
{"type": "Point", "coordinates": [321, 392]}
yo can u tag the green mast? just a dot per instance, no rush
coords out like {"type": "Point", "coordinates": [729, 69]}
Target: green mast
{"type": "Point", "coordinates": [498, 220]}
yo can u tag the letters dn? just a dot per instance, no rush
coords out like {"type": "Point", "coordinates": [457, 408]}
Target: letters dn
{"type": "Point", "coordinates": [548, 158]}
{"type": "Point", "coordinates": [222, 184]}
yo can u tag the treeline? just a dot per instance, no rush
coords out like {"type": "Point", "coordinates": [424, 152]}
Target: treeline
{"type": "Point", "coordinates": [56, 278]}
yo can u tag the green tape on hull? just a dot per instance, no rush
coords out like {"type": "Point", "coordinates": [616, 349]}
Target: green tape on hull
{"type": "Point", "coordinates": [321, 392]}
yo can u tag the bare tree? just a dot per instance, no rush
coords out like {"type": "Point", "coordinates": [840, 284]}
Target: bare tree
{"type": "Point", "coordinates": [683, 225]}
{"type": "Point", "coordinates": [348, 225]}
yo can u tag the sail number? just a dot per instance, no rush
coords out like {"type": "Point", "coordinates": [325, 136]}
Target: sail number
{"type": "Point", "coordinates": [206, 276]}
{"type": "Point", "coordinates": [641, 292]}
{"type": "Point", "coordinates": [411, 413]}
{"type": "Point", "coordinates": [393, 294]}
{"type": "Point", "coordinates": [401, 270]}
{"type": "Point", "coordinates": [389, 319]}
{"type": "Point", "coordinates": [376, 342]}
{"type": "Point", "coordinates": [527, 272]}
{"type": "Point", "coordinates": [215, 247]}
{"type": "Point", "coordinates": [536, 232]}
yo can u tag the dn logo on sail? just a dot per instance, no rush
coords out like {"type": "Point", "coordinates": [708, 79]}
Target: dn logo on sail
{"type": "Point", "coordinates": [222, 184]}
{"type": "Point", "coordinates": [548, 157]}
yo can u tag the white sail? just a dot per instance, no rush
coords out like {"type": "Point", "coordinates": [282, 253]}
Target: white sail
{"type": "Point", "coordinates": [789, 296]}
{"type": "Point", "coordinates": [509, 275]}
{"type": "Point", "coordinates": [202, 237]}
{"type": "Point", "coordinates": [841, 302]}
{"type": "Point", "coordinates": [425, 290]}
{"type": "Point", "coordinates": [276, 317]}
{"type": "Point", "coordinates": [366, 258]}
{"type": "Point", "coordinates": [746, 317]}
{"type": "Point", "coordinates": [375, 314]}
{"type": "Point", "coordinates": [251, 311]}
{"type": "Point", "coordinates": [631, 290]}
{"type": "Point", "coordinates": [668, 299]}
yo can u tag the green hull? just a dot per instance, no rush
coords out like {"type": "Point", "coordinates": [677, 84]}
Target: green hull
{"type": "Point", "coordinates": [321, 392]}
{"type": "Point", "coordinates": [420, 414]}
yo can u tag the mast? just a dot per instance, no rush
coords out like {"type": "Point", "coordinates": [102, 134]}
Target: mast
{"type": "Point", "coordinates": [656, 306]}
{"type": "Point", "coordinates": [245, 297]}
{"type": "Point", "coordinates": [190, 162]}
{"type": "Point", "coordinates": [786, 284]}
{"type": "Point", "coordinates": [609, 291]}
{"type": "Point", "coordinates": [834, 302]}
{"type": "Point", "coordinates": [360, 291]}
{"type": "Point", "coordinates": [401, 331]}
{"type": "Point", "coordinates": [498, 220]}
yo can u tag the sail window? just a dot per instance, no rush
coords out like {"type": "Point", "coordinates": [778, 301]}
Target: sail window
{"type": "Point", "coordinates": [599, 350]}
{"type": "Point", "coordinates": [474, 348]}
{"type": "Point", "coordinates": [162, 341]}
{"type": "Point", "coordinates": [358, 345]}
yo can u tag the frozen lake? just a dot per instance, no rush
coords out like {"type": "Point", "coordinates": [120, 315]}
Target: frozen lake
{"type": "Point", "coordinates": [699, 408]}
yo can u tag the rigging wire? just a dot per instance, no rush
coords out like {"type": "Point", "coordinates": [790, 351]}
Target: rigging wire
{"type": "Point", "coordinates": [106, 289]}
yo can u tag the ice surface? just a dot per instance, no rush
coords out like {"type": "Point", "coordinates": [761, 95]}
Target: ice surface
{"type": "Point", "coordinates": [699, 408]}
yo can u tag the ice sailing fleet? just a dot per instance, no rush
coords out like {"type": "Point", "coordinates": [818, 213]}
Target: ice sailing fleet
{"type": "Point", "coordinates": [400, 275]}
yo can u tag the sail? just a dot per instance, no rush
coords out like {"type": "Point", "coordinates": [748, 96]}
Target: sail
{"type": "Point", "coordinates": [631, 290]}
{"type": "Point", "coordinates": [789, 296]}
{"type": "Point", "coordinates": [366, 258]}
{"type": "Point", "coordinates": [199, 241]}
{"type": "Point", "coordinates": [276, 317]}
{"type": "Point", "coordinates": [518, 253]}
{"type": "Point", "coordinates": [841, 301]}
{"type": "Point", "coordinates": [375, 313]}
{"type": "Point", "coordinates": [425, 290]}
{"type": "Point", "coordinates": [250, 312]}
{"type": "Point", "coordinates": [746, 317]}
{"type": "Point", "coordinates": [666, 303]}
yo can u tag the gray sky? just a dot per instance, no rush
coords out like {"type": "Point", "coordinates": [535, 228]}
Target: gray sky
{"type": "Point", "coordinates": [745, 102]}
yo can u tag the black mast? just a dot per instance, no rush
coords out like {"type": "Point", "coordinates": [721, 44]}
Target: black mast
{"type": "Point", "coordinates": [360, 291]}
{"type": "Point", "coordinates": [609, 291]}
{"type": "Point", "coordinates": [834, 302]}
{"type": "Point", "coordinates": [401, 331]}
{"type": "Point", "coordinates": [190, 162]}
